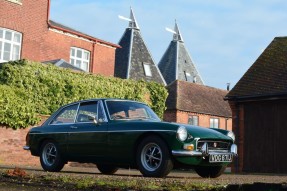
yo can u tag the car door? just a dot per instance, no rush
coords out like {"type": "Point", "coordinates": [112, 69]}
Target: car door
{"type": "Point", "coordinates": [87, 138]}
{"type": "Point", "coordinates": [60, 126]}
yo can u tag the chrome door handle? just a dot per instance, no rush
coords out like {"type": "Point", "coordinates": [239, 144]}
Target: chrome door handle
{"type": "Point", "coordinates": [74, 127]}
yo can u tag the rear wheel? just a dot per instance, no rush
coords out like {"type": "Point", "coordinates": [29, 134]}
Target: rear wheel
{"type": "Point", "coordinates": [209, 171]}
{"type": "Point", "coordinates": [153, 158]}
{"type": "Point", "coordinates": [50, 157]}
{"type": "Point", "coordinates": [107, 169]}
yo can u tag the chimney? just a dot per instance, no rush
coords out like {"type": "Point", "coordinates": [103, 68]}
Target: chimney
{"type": "Point", "coordinates": [228, 86]}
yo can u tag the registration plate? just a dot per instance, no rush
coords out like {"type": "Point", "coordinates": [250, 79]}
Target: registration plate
{"type": "Point", "coordinates": [220, 158]}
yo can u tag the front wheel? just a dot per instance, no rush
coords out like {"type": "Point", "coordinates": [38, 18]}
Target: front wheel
{"type": "Point", "coordinates": [209, 171]}
{"type": "Point", "coordinates": [50, 157]}
{"type": "Point", "coordinates": [107, 169]}
{"type": "Point", "coordinates": [153, 158]}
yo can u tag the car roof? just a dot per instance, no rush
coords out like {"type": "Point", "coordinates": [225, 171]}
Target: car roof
{"type": "Point", "coordinates": [103, 99]}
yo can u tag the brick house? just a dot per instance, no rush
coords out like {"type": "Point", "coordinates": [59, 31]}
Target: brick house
{"type": "Point", "coordinates": [196, 104]}
{"type": "Point", "coordinates": [259, 110]}
{"type": "Point", "coordinates": [26, 32]}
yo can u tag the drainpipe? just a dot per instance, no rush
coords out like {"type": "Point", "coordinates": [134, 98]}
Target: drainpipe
{"type": "Point", "coordinates": [92, 58]}
{"type": "Point", "coordinates": [237, 136]}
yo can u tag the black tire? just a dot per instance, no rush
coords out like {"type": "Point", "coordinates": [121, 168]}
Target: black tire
{"type": "Point", "coordinates": [210, 171]}
{"type": "Point", "coordinates": [50, 157]}
{"type": "Point", "coordinates": [153, 157]}
{"type": "Point", "coordinates": [107, 169]}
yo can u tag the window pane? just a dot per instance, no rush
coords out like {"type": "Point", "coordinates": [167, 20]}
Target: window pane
{"type": "Point", "coordinates": [147, 70]}
{"type": "Point", "coordinates": [1, 33]}
{"type": "Point", "coordinates": [8, 35]}
{"type": "Point", "coordinates": [195, 120]}
{"type": "Point", "coordinates": [79, 54]}
{"type": "Point", "coordinates": [0, 50]}
{"type": "Point", "coordinates": [78, 63]}
{"type": "Point", "coordinates": [72, 52]}
{"type": "Point", "coordinates": [72, 61]}
{"type": "Point", "coordinates": [16, 52]}
{"type": "Point", "coordinates": [85, 66]}
{"type": "Point", "coordinates": [67, 115]}
{"type": "Point", "coordinates": [7, 50]}
{"type": "Point", "coordinates": [17, 37]}
{"type": "Point", "coordinates": [86, 111]}
{"type": "Point", "coordinates": [86, 55]}
{"type": "Point", "coordinates": [215, 123]}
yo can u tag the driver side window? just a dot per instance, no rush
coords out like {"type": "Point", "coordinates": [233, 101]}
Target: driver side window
{"type": "Point", "coordinates": [87, 112]}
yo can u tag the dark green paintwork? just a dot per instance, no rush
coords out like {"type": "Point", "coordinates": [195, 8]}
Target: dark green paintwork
{"type": "Point", "coordinates": [115, 142]}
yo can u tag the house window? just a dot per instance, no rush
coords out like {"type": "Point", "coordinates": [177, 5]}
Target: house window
{"type": "Point", "coordinates": [10, 45]}
{"type": "Point", "coordinates": [193, 120]}
{"type": "Point", "coordinates": [188, 77]}
{"type": "Point", "coordinates": [214, 123]}
{"type": "Point", "coordinates": [80, 58]}
{"type": "Point", "coordinates": [147, 69]}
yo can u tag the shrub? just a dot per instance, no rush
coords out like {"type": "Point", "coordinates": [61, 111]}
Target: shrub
{"type": "Point", "coordinates": [31, 88]}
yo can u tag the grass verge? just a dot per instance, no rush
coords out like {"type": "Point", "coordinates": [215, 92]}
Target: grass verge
{"type": "Point", "coordinates": [56, 181]}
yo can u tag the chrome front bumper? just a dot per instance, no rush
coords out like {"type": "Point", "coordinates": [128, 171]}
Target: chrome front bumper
{"type": "Point", "coordinates": [27, 148]}
{"type": "Point", "coordinates": [204, 152]}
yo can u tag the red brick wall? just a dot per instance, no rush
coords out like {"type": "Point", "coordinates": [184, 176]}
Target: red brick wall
{"type": "Point", "coordinates": [11, 147]}
{"type": "Point", "coordinates": [41, 44]}
{"type": "Point", "coordinates": [203, 119]}
{"type": "Point", "coordinates": [169, 116]}
{"type": "Point", "coordinates": [238, 129]}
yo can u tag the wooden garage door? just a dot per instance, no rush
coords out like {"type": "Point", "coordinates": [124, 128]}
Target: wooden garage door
{"type": "Point", "coordinates": [265, 137]}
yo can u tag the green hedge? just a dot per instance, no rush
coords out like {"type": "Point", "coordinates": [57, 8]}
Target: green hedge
{"type": "Point", "coordinates": [30, 88]}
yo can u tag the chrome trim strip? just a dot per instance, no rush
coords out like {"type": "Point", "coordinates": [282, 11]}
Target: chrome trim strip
{"type": "Point", "coordinates": [27, 148]}
{"type": "Point", "coordinates": [182, 153]}
{"type": "Point", "coordinates": [104, 131]}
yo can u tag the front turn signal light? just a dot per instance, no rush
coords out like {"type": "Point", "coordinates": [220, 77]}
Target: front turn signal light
{"type": "Point", "coordinates": [189, 147]}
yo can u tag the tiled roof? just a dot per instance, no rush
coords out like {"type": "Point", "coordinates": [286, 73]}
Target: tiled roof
{"type": "Point", "coordinates": [59, 26]}
{"type": "Point", "coordinates": [176, 62]}
{"type": "Point", "coordinates": [64, 64]}
{"type": "Point", "coordinates": [191, 97]}
{"type": "Point", "coordinates": [267, 76]}
{"type": "Point", "coordinates": [134, 55]}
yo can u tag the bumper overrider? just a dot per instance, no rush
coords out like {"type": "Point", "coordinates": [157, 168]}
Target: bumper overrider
{"type": "Point", "coordinates": [204, 152]}
{"type": "Point", "coordinates": [27, 148]}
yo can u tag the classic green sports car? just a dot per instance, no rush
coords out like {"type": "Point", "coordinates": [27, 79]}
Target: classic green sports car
{"type": "Point", "coordinates": [114, 133]}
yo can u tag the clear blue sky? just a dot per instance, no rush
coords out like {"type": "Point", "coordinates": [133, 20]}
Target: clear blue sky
{"type": "Point", "coordinates": [223, 37]}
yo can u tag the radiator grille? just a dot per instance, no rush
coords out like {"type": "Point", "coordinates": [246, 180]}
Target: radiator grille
{"type": "Point", "coordinates": [214, 145]}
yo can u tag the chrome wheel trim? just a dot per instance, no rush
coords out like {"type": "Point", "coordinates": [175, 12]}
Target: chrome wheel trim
{"type": "Point", "coordinates": [49, 154]}
{"type": "Point", "coordinates": [151, 157]}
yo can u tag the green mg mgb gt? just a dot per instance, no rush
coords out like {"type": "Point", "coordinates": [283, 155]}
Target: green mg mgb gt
{"type": "Point", "coordinates": [114, 133]}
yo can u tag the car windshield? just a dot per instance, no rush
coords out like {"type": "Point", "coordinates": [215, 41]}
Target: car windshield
{"type": "Point", "coordinates": [122, 110]}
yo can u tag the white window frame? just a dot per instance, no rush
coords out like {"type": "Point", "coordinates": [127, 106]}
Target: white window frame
{"type": "Point", "coordinates": [147, 69]}
{"type": "Point", "coordinates": [12, 44]}
{"type": "Point", "coordinates": [213, 122]}
{"type": "Point", "coordinates": [80, 62]}
{"type": "Point", "coordinates": [193, 120]}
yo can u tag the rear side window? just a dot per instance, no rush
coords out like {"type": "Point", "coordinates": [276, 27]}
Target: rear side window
{"type": "Point", "coordinates": [66, 115]}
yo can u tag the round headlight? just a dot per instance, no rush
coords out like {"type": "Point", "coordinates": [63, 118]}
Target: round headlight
{"type": "Point", "coordinates": [231, 135]}
{"type": "Point", "coordinates": [181, 133]}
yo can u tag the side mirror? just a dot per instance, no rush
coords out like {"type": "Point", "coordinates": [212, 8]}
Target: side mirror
{"type": "Point", "coordinates": [93, 118]}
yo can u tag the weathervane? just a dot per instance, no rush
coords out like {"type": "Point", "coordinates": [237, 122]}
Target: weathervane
{"type": "Point", "coordinates": [132, 20]}
{"type": "Point", "coordinates": [176, 32]}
